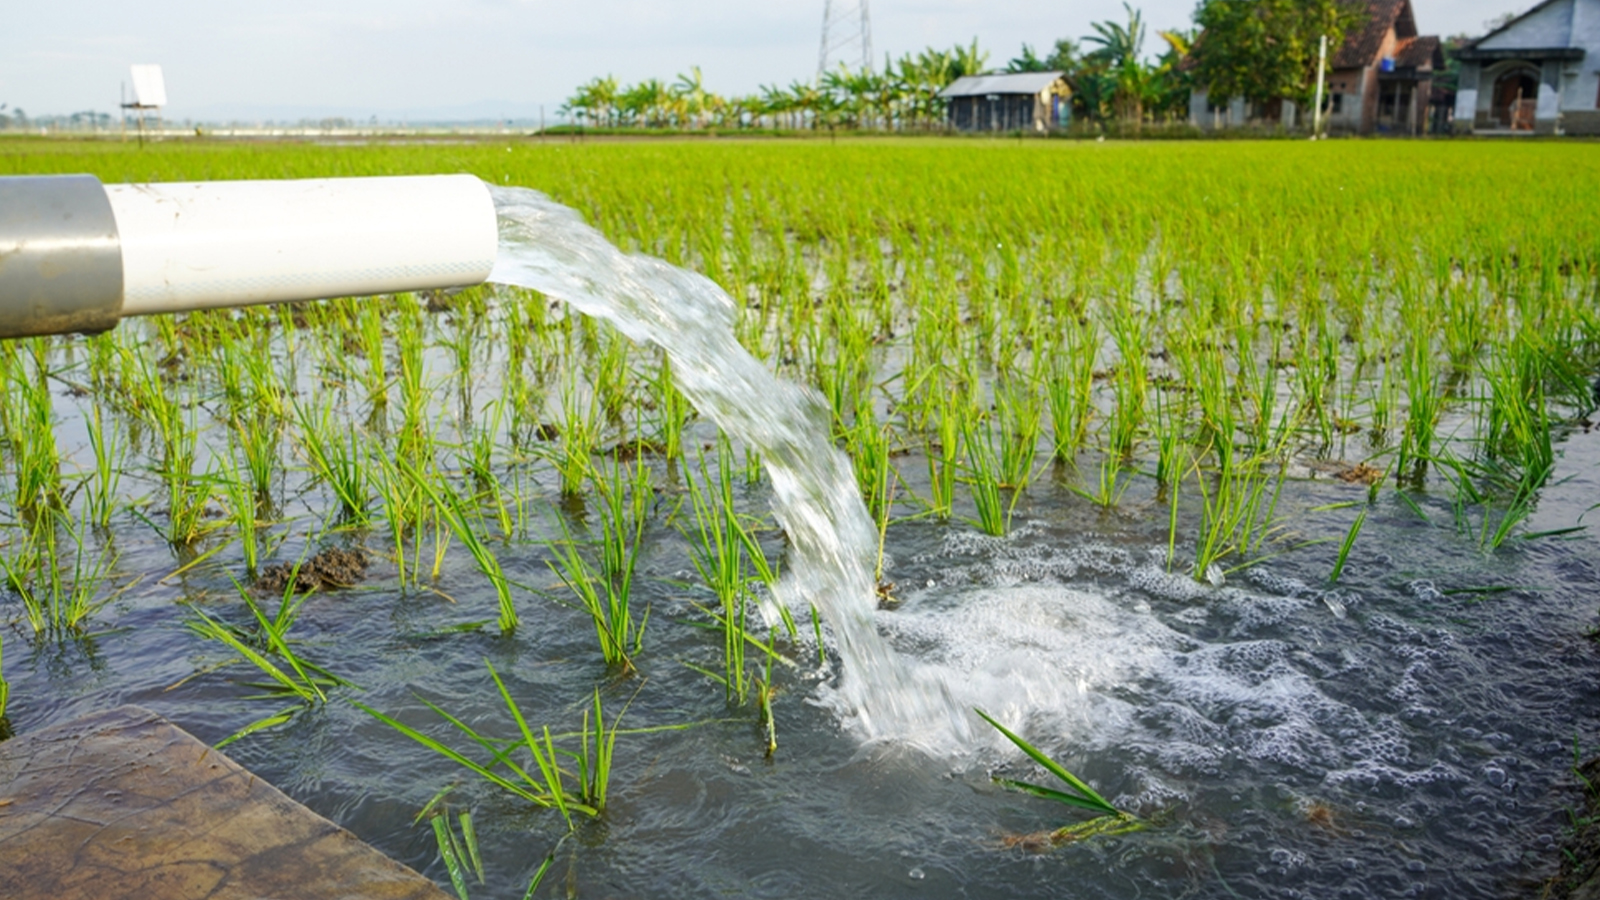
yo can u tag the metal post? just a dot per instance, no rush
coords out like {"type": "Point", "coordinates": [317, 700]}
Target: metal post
{"type": "Point", "coordinates": [1322, 62]}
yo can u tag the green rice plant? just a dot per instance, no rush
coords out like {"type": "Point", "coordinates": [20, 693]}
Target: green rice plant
{"type": "Point", "coordinates": [1070, 387]}
{"type": "Point", "coordinates": [100, 499]}
{"type": "Point", "coordinates": [479, 447]}
{"type": "Point", "coordinates": [578, 436]}
{"type": "Point", "coordinates": [57, 597]}
{"type": "Point", "coordinates": [540, 782]}
{"type": "Point", "coordinates": [5, 686]}
{"type": "Point", "coordinates": [405, 509]}
{"type": "Point", "coordinates": [611, 373]}
{"type": "Point", "coordinates": [1109, 821]}
{"type": "Point", "coordinates": [596, 750]}
{"type": "Point", "coordinates": [1129, 329]}
{"type": "Point", "coordinates": [29, 415]}
{"type": "Point", "coordinates": [992, 498]}
{"type": "Point", "coordinates": [458, 853]}
{"type": "Point", "coordinates": [943, 456]}
{"type": "Point", "coordinates": [606, 591]}
{"type": "Point", "coordinates": [243, 505]}
{"type": "Point", "coordinates": [418, 430]}
{"type": "Point", "coordinates": [870, 447]}
{"type": "Point", "coordinates": [1238, 513]}
{"type": "Point", "coordinates": [1518, 426]}
{"type": "Point", "coordinates": [1110, 484]}
{"type": "Point", "coordinates": [673, 411]}
{"type": "Point", "coordinates": [1019, 420]}
{"type": "Point", "coordinates": [458, 513]}
{"type": "Point", "coordinates": [1424, 409]}
{"type": "Point", "coordinates": [265, 645]}
{"type": "Point", "coordinates": [370, 324]}
{"type": "Point", "coordinates": [721, 547]}
{"type": "Point", "coordinates": [336, 458]}
{"type": "Point", "coordinates": [1344, 547]}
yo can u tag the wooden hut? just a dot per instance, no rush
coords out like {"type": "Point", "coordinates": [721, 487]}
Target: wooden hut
{"type": "Point", "coordinates": [1024, 101]}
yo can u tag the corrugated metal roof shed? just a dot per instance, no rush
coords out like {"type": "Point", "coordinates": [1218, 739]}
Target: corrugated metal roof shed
{"type": "Point", "coordinates": [983, 85]}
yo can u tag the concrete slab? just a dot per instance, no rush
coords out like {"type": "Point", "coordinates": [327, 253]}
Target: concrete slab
{"type": "Point", "coordinates": [124, 805]}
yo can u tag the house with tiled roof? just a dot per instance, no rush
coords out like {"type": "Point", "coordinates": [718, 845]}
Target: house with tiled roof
{"type": "Point", "coordinates": [1537, 74]}
{"type": "Point", "coordinates": [1379, 81]}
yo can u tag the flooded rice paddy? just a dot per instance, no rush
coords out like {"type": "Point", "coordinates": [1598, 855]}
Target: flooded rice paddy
{"type": "Point", "coordinates": [1288, 562]}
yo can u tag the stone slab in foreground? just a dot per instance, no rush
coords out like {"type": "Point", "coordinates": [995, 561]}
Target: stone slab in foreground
{"type": "Point", "coordinates": [124, 805]}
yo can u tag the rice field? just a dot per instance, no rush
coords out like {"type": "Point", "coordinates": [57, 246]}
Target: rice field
{"type": "Point", "coordinates": [1355, 367]}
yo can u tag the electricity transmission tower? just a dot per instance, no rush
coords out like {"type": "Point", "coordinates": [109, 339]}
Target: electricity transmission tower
{"type": "Point", "coordinates": [846, 32]}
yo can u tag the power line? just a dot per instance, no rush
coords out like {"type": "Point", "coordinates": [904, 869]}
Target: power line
{"type": "Point", "coordinates": [846, 35]}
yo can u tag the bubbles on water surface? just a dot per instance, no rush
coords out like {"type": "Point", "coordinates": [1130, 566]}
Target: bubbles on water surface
{"type": "Point", "coordinates": [1099, 649]}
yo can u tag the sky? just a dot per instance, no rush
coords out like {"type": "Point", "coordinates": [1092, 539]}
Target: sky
{"type": "Point", "coordinates": [459, 59]}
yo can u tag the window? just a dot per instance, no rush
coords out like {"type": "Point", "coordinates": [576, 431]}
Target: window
{"type": "Point", "coordinates": [1336, 103]}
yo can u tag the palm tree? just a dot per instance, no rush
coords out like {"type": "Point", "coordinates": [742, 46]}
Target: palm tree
{"type": "Point", "coordinates": [691, 90]}
{"type": "Point", "coordinates": [1119, 52]}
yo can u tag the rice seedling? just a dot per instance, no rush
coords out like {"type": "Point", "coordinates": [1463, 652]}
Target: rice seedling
{"type": "Point", "coordinates": [458, 853]}
{"type": "Point", "coordinates": [721, 547]}
{"type": "Point", "coordinates": [1070, 386]}
{"type": "Point", "coordinates": [459, 514]}
{"type": "Point", "coordinates": [577, 436]}
{"type": "Point", "coordinates": [370, 324]}
{"type": "Point", "coordinates": [29, 415]}
{"type": "Point", "coordinates": [109, 452]}
{"type": "Point", "coordinates": [297, 679]}
{"type": "Point", "coordinates": [606, 591]}
{"type": "Point", "coordinates": [1238, 511]}
{"type": "Point", "coordinates": [58, 597]}
{"type": "Point", "coordinates": [993, 498]}
{"type": "Point", "coordinates": [1112, 482]}
{"type": "Point", "coordinates": [244, 506]}
{"type": "Point", "coordinates": [541, 781]}
{"type": "Point", "coordinates": [673, 412]}
{"type": "Point", "coordinates": [1109, 820]}
{"type": "Point", "coordinates": [336, 459]}
{"type": "Point", "coordinates": [1344, 547]}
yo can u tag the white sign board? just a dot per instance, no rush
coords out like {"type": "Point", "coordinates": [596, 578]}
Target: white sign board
{"type": "Point", "coordinates": [148, 87]}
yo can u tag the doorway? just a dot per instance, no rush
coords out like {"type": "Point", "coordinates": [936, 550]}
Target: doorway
{"type": "Point", "coordinates": [1516, 96]}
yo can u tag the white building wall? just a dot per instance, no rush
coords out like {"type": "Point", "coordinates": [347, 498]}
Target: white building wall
{"type": "Point", "coordinates": [1581, 79]}
{"type": "Point", "coordinates": [1547, 27]}
{"type": "Point", "coordinates": [1467, 95]}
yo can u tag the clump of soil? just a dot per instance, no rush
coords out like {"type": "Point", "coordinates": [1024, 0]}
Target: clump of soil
{"type": "Point", "coordinates": [330, 569]}
{"type": "Point", "coordinates": [1579, 878]}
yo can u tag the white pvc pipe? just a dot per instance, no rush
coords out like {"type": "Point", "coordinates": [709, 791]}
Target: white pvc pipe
{"type": "Point", "coordinates": [202, 245]}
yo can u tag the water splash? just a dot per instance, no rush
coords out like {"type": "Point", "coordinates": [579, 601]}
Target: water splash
{"type": "Point", "coordinates": [548, 247]}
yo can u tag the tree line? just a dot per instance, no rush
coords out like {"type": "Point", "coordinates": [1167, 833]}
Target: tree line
{"type": "Point", "coordinates": [1262, 50]}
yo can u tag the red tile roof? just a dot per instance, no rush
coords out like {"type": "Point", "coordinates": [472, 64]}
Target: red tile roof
{"type": "Point", "coordinates": [1362, 46]}
{"type": "Point", "coordinates": [1419, 53]}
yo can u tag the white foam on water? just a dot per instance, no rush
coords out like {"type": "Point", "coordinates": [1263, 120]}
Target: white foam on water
{"type": "Point", "coordinates": [1094, 649]}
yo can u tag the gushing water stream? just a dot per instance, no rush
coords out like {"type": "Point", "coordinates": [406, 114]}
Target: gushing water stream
{"type": "Point", "coordinates": [548, 247]}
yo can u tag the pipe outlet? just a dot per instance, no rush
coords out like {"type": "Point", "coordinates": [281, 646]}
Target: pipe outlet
{"type": "Point", "coordinates": [77, 256]}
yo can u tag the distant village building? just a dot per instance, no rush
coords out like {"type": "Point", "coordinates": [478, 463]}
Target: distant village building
{"type": "Point", "coordinates": [1534, 74]}
{"type": "Point", "coordinates": [1025, 101]}
{"type": "Point", "coordinates": [1380, 81]}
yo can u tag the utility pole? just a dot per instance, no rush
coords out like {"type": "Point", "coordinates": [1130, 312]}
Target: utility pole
{"type": "Point", "coordinates": [1322, 64]}
{"type": "Point", "coordinates": [846, 27]}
